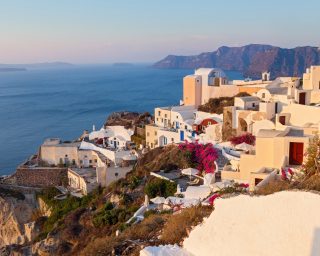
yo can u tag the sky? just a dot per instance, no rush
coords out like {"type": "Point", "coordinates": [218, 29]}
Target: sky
{"type": "Point", "coordinates": [106, 31]}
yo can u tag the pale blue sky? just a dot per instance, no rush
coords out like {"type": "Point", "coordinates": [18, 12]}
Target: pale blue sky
{"type": "Point", "coordinates": [102, 31]}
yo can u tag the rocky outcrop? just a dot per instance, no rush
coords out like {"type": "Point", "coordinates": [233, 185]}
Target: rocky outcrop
{"type": "Point", "coordinates": [18, 210]}
{"type": "Point", "coordinates": [44, 209]}
{"type": "Point", "coordinates": [251, 60]}
{"type": "Point", "coordinates": [128, 119]}
{"type": "Point", "coordinates": [14, 218]}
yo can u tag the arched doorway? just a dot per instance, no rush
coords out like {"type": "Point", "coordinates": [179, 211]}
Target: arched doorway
{"type": "Point", "coordinates": [243, 126]}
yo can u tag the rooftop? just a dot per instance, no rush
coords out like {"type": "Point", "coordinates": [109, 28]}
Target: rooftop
{"type": "Point", "coordinates": [268, 133]}
{"type": "Point", "coordinates": [62, 144]}
{"type": "Point", "coordinates": [249, 98]}
{"type": "Point", "coordinates": [278, 90]}
{"type": "Point", "coordinates": [88, 174]}
{"type": "Point", "coordinates": [216, 72]}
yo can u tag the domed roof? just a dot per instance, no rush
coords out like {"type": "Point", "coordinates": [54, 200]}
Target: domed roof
{"type": "Point", "coordinates": [216, 72]}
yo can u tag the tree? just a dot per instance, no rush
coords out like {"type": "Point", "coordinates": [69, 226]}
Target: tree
{"type": "Point", "coordinates": [311, 164]}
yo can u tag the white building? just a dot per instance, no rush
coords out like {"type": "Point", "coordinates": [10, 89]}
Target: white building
{"type": "Point", "coordinates": [113, 136]}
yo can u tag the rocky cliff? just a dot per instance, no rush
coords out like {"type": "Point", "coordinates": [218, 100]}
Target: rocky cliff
{"type": "Point", "coordinates": [251, 60]}
{"type": "Point", "coordinates": [128, 119]}
{"type": "Point", "coordinates": [14, 218]}
{"type": "Point", "coordinates": [17, 212]}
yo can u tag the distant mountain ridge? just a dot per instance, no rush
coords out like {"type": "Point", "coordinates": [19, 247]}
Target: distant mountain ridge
{"type": "Point", "coordinates": [251, 60]}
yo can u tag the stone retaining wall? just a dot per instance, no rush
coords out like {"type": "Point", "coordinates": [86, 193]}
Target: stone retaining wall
{"type": "Point", "coordinates": [40, 176]}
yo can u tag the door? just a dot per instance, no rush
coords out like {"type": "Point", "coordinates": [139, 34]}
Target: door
{"type": "Point", "coordinates": [257, 181]}
{"type": "Point", "coordinates": [181, 135]}
{"type": "Point", "coordinates": [302, 98]}
{"type": "Point", "coordinates": [296, 153]}
{"type": "Point", "coordinates": [282, 120]}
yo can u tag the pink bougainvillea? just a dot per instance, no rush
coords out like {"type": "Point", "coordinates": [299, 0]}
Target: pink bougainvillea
{"type": "Point", "coordinates": [202, 156]}
{"type": "Point", "coordinates": [246, 138]}
{"type": "Point", "coordinates": [243, 185]}
{"type": "Point", "coordinates": [213, 198]}
{"type": "Point", "coordinates": [283, 174]}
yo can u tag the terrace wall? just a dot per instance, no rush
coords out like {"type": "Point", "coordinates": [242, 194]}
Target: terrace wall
{"type": "Point", "coordinates": [40, 176]}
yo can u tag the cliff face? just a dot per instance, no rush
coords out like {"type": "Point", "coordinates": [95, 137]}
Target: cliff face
{"type": "Point", "coordinates": [251, 60]}
{"type": "Point", "coordinates": [14, 218]}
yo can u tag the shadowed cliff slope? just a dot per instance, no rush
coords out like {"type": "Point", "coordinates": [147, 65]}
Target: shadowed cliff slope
{"type": "Point", "coordinates": [251, 60]}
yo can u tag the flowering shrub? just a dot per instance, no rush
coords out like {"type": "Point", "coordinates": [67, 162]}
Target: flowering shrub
{"type": "Point", "coordinates": [285, 173]}
{"type": "Point", "coordinates": [243, 185]}
{"type": "Point", "coordinates": [213, 198]}
{"type": "Point", "coordinates": [201, 156]}
{"type": "Point", "coordinates": [246, 138]}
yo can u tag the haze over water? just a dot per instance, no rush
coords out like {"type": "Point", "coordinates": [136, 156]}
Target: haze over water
{"type": "Point", "coordinates": [43, 103]}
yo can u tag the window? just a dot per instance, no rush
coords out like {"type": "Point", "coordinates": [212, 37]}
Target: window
{"type": "Point", "coordinates": [66, 156]}
{"type": "Point", "coordinates": [96, 160]}
{"type": "Point", "coordinates": [165, 115]}
{"type": "Point", "coordinates": [253, 105]}
{"type": "Point", "coordinates": [81, 161]}
{"type": "Point", "coordinates": [159, 113]}
{"type": "Point", "coordinates": [148, 134]}
{"type": "Point", "coordinates": [263, 95]}
{"type": "Point", "coordinates": [155, 133]}
{"type": "Point", "coordinates": [209, 123]}
{"type": "Point", "coordinates": [161, 120]}
{"type": "Point", "coordinates": [90, 161]}
{"type": "Point", "coordinates": [73, 162]}
{"type": "Point", "coordinates": [185, 127]}
{"type": "Point", "coordinates": [172, 139]}
{"type": "Point", "coordinates": [157, 119]}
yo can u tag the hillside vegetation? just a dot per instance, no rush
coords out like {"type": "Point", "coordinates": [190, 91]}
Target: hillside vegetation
{"type": "Point", "coordinates": [88, 225]}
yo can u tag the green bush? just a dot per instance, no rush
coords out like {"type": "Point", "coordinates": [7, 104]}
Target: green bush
{"type": "Point", "coordinates": [159, 187]}
{"type": "Point", "coordinates": [109, 215]}
{"type": "Point", "coordinates": [12, 193]}
{"type": "Point", "coordinates": [134, 182]}
{"type": "Point", "coordinates": [60, 208]}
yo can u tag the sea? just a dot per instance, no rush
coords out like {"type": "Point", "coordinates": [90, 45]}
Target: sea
{"type": "Point", "coordinates": [63, 102]}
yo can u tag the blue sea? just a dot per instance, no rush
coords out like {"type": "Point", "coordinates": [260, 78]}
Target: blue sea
{"type": "Point", "coordinates": [62, 102]}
